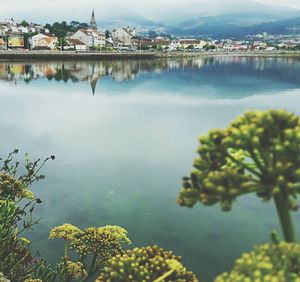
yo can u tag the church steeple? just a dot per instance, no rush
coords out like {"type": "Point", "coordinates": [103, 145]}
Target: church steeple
{"type": "Point", "coordinates": [93, 23]}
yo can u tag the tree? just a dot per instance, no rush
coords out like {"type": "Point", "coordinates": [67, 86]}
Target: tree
{"type": "Point", "coordinates": [258, 153]}
{"type": "Point", "coordinates": [107, 34]}
{"type": "Point", "coordinates": [24, 23]}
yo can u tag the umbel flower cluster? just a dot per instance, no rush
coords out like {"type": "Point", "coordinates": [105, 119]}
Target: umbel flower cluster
{"type": "Point", "coordinates": [94, 247]}
{"type": "Point", "coordinates": [11, 188]}
{"type": "Point", "coordinates": [276, 263]}
{"type": "Point", "coordinates": [76, 270]}
{"type": "Point", "coordinates": [104, 241]}
{"type": "Point", "coordinates": [66, 231]}
{"type": "Point", "coordinates": [148, 264]}
{"type": "Point", "coordinates": [258, 153]}
{"type": "Point", "coordinates": [92, 240]}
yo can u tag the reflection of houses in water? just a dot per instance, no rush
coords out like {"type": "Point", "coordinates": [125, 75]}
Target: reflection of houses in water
{"type": "Point", "coordinates": [285, 69]}
{"type": "Point", "coordinates": [124, 71]}
{"type": "Point", "coordinates": [96, 72]}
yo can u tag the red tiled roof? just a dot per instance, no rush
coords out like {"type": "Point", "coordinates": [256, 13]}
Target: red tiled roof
{"type": "Point", "coordinates": [76, 42]}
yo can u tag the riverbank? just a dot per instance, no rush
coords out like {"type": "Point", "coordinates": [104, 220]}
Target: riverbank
{"type": "Point", "coordinates": [17, 55]}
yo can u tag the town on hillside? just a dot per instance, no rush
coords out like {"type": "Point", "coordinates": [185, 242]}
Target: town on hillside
{"type": "Point", "coordinates": [82, 37]}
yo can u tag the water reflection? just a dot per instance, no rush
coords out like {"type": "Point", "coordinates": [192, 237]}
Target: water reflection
{"type": "Point", "coordinates": [199, 70]}
{"type": "Point", "coordinates": [121, 153]}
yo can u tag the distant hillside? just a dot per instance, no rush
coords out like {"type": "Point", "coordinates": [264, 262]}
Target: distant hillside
{"type": "Point", "coordinates": [226, 29]}
{"type": "Point", "coordinates": [212, 18]}
{"type": "Point", "coordinates": [239, 12]}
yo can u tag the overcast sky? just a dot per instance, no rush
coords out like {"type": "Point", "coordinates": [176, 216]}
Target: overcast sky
{"type": "Point", "coordinates": [56, 10]}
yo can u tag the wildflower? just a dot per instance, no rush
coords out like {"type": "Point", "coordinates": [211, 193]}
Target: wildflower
{"type": "Point", "coordinates": [257, 153]}
{"type": "Point", "coordinates": [27, 194]}
{"type": "Point", "coordinates": [116, 231]}
{"type": "Point", "coordinates": [146, 264]}
{"type": "Point", "coordinates": [174, 264]}
{"type": "Point", "coordinates": [11, 188]}
{"type": "Point", "coordinates": [95, 241]}
{"type": "Point", "coordinates": [66, 231]}
{"type": "Point", "coordinates": [76, 270]}
{"type": "Point", "coordinates": [276, 262]}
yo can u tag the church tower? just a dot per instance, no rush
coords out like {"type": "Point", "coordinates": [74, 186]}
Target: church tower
{"type": "Point", "coordinates": [93, 24]}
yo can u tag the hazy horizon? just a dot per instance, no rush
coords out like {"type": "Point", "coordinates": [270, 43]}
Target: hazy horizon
{"type": "Point", "coordinates": [51, 10]}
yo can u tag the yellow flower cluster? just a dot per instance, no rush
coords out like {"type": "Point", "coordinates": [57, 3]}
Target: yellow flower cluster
{"type": "Point", "coordinates": [3, 278]}
{"type": "Point", "coordinates": [145, 264]}
{"type": "Point", "coordinates": [267, 263]}
{"type": "Point", "coordinates": [66, 231]}
{"type": "Point", "coordinates": [11, 188]}
{"type": "Point", "coordinates": [76, 270]}
{"type": "Point", "coordinates": [118, 232]}
{"type": "Point", "coordinates": [257, 153]}
{"type": "Point", "coordinates": [174, 264]}
{"type": "Point", "coordinates": [93, 240]}
{"type": "Point", "coordinates": [33, 280]}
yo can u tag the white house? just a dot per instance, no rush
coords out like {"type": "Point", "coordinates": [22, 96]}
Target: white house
{"type": "Point", "coordinates": [195, 43]}
{"type": "Point", "coordinates": [77, 45]}
{"type": "Point", "coordinates": [123, 36]}
{"type": "Point", "coordinates": [23, 29]}
{"type": "Point", "coordinates": [41, 41]}
{"type": "Point", "coordinates": [90, 38]}
{"type": "Point", "coordinates": [174, 45]}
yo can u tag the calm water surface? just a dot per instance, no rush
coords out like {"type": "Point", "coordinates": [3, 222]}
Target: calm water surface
{"type": "Point", "coordinates": [125, 132]}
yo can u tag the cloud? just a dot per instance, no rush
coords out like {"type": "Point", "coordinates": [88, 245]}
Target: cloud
{"type": "Point", "coordinates": [58, 10]}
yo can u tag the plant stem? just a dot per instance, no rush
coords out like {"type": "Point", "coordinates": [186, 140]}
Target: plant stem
{"type": "Point", "coordinates": [283, 211]}
{"type": "Point", "coordinates": [162, 278]}
{"type": "Point", "coordinates": [66, 249]}
{"type": "Point", "coordinates": [90, 272]}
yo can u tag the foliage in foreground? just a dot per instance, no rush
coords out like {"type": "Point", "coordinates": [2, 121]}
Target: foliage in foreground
{"type": "Point", "coordinates": [258, 153]}
{"type": "Point", "coordinates": [94, 248]}
{"type": "Point", "coordinates": [267, 263]}
{"type": "Point", "coordinates": [17, 204]}
{"type": "Point", "coordinates": [146, 264]}
{"type": "Point", "coordinates": [87, 253]}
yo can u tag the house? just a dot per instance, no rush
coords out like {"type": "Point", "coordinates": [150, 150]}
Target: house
{"type": "Point", "coordinates": [15, 41]}
{"type": "Point", "coordinates": [42, 41]}
{"type": "Point", "coordinates": [192, 43]}
{"type": "Point", "coordinates": [174, 45]}
{"type": "Point", "coordinates": [163, 42]}
{"type": "Point", "coordinates": [123, 36]}
{"type": "Point", "coordinates": [271, 48]}
{"type": "Point", "coordinates": [77, 45]}
{"type": "Point", "coordinates": [2, 44]}
{"type": "Point", "coordinates": [23, 29]}
{"type": "Point", "coordinates": [90, 38]}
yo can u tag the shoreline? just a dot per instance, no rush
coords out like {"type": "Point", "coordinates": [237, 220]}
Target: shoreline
{"type": "Point", "coordinates": [67, 55]}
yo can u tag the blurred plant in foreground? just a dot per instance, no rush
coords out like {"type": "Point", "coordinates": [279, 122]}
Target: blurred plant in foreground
{"type": "Point", "coordinates": [149, 264]}
{"type": "Point", "coordinates": [86, 252]}
{"type": "Point", "coordinates": [267, 263]}
{"type": "Point", "coordinates": [258, 153]}
{"type": "Point", "coordinates": [17, 204]}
